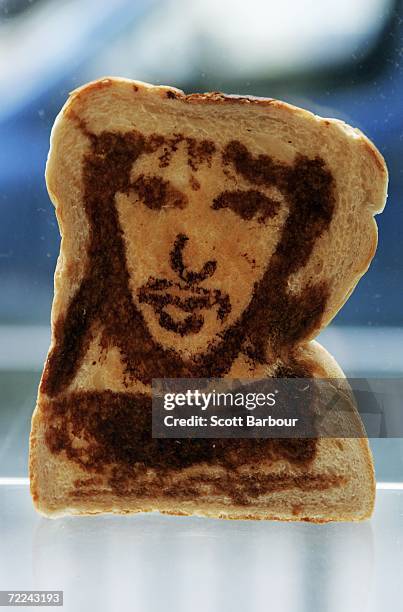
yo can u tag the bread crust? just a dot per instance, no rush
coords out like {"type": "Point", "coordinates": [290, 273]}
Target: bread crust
{"type": "Point", "coordinates": [54, 477]}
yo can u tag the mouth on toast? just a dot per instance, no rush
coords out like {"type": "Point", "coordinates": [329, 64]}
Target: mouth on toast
{"type": "Point", "coordinates": [172, 301]}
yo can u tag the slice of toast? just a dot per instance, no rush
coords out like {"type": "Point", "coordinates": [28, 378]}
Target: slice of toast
{"type": "Point", "coordinates": [203, 235]}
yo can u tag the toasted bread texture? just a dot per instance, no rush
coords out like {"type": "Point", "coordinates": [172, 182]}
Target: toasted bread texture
{"type": "Point", "coordinates": [203, 235]}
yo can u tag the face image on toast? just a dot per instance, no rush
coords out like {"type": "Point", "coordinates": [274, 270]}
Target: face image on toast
{"type": "Point", "coordinates": [202, 236]}
{"type": "Point", "coordinates": [197, 271]}
{"type": "Point", "coordinates": [205, 264]}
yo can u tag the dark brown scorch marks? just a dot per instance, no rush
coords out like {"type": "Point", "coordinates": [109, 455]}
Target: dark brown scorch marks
{"type": "Point", "coordinates": [155, 293]}
{"type": "Point", "coordinates": [188, 296]}
{"type": "Point", "coordinates": [248, 204]}
{"type": "Point", "coordinates": [115, 428]}
{"type": "Point", "coordinates": [157, 193]}
{"type": "Point", "coordinates": [274, 321]}
{"type": "Point", "coordinates": [189, 276]}
{"type": "Point", "coordinates": [199, 152]}
{"type": "Point", "coordinates": [273, 313]}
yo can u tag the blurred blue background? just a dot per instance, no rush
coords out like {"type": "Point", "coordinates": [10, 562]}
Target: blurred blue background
{"type": "Point", "coordinates": [339, 59]}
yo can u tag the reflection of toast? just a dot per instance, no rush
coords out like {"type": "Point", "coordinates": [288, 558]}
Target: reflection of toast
{"type": "Point", "coordinates": [202, 235]}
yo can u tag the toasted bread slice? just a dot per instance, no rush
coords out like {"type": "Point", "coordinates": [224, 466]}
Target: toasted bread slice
{"type": "Point", "coordinates": [202, 236]}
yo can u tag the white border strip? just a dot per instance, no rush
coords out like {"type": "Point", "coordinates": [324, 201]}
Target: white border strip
{"type": "Point", "coordinates": [14, 481]}
{"type": "Point", "coordinates": [19, 481]}
{"type": "Point", "coordinates": [389, 486]}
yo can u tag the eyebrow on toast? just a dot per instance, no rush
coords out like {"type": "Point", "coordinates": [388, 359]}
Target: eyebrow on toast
{"type": "Point", "coordinates": [247, 204]}
{"type": "Point", "coordinates": [156, 193]}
